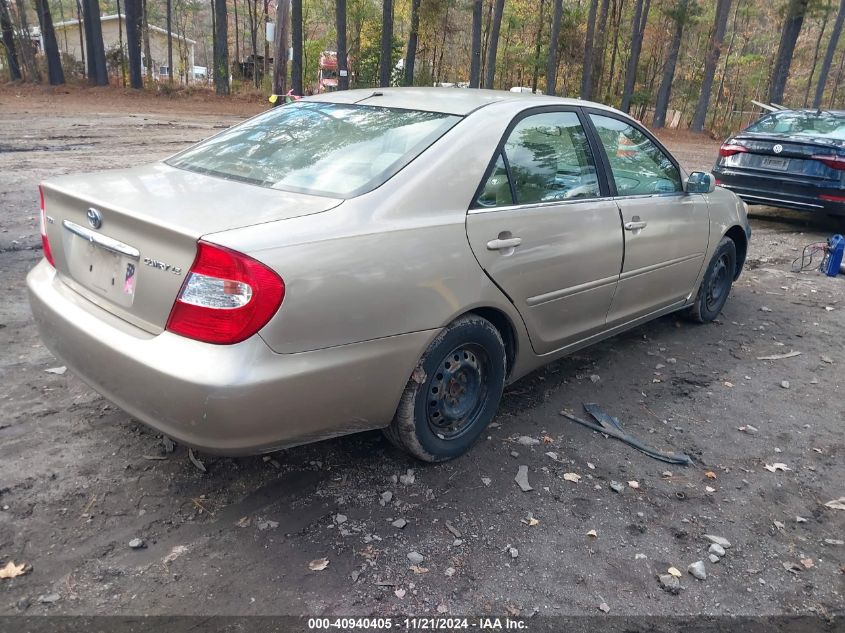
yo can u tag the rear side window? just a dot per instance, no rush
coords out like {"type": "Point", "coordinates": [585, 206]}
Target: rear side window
{"type": "Point", "coordinates": [335, 150]}
{"type": "Point", "coordinates": [639, 166]}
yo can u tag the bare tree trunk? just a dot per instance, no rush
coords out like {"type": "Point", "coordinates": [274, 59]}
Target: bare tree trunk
{"type": "Point", "coordinates": [79, 21]}
{"type": "Point", "coordinates": [120, 43]}
{"type": "Point", "coordinates": [342, 54]}
{"type": "Point", "coordinates": [385, 65]}
{"type": "Point", "coordinates": [253, 36]}
{"type": "Point", "coordinates": [26, 44]}
{"type": "Point", "coordinates": [475, 58]}
{"type": "Point", "coordinates": [816, 51]}
{"type": "Point", "coordinates": [221, 48]}
{"type": "Point", "coordinates": [535, 75]}
{"type": "Point", "coordinates": [552, 61]}
{"type": "Point", "coordinates": [97, 71]}
{"type": "Point", "coordinates": [665, 90]}
{"type": "Point", "coordinates": [237, 38]}
{"type": "Point", "coordinates": [617, 13]}
{"type": "Point", "coordinates": [637, 30]}
{"type": "Point", "coordinates": [169, 9]}
{"type": "Point", "coordinates": [493, 46]}
{"type": "Point", "coordinates": [792, 24]}
{"type": "Point", "coordinates": [9, 43]}
{"type": "Point", "coordinates": [133, 43]}
{"type": "Point", "coordinates": [413, 37]}
{"type": "Point", "coordinates": [599, 51]}
{"type": "Point", "coordinates": [55, 74]}
{"type": "Point", "coordinates": [145, 30]}
{"type": "Point", "coordinates": [280, 63]}
{"type": "Point", "coordinates": [587, 72]}
{"type": "Point", "coordinates": [717, 37]}
{"type": "Point", "coordinates": [296, 43]}
{"type": "Point", "coordinates": [828, 57]}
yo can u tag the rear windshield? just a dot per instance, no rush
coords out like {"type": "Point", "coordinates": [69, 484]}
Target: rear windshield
{"type": "Point", "coordinates": [818, 124]}
{"type": "Point", "coordinates": [329, 149]}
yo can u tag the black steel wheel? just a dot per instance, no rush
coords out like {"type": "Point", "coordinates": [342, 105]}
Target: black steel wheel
{"type": "Point", "coordinates": [453, 393]}
{"type": "Point", "coordinates": [716, 284]}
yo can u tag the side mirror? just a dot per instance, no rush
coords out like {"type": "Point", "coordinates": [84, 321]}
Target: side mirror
{"type": "Point", "coordinates": [701, 182]}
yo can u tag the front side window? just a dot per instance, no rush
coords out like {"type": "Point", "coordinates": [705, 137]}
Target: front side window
{"type": "Point", "coordinates": [330, 149]}
{"type": "Point", "coordinates": [550, 159]}
{"type": "Point", "coordinates": [638, 165]}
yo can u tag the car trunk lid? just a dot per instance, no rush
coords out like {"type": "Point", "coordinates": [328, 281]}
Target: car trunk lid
{"type": "Point", "coordinates": [125, 239]}
{"type": "Point", "coordinates": [788, 156]}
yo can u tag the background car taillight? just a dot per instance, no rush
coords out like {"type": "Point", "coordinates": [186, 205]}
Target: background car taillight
{"type": "Point", "coordinates": [226, 298]}
{"type": "Point", "coordinates": [729, 149]}
{"type": "Point", "coordinates": [834, 162]}
{"type": "Point", "coordinates": [45, 242]}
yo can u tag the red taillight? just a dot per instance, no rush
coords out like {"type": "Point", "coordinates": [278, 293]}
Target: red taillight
{"type": "Point", "coordinates": [829, 198]}
{"type": "Point", "coordinates": [45, 242]}
{"type": "Point", "coordinates": [226, 298]}
{"type": "Point", "coordinates": [729, 149]}
{"type": "Point", "coordinates": [834, 162]}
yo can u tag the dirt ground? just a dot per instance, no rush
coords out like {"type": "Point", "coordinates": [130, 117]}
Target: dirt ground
{"type": "Point", "coordinates": [79, 479]}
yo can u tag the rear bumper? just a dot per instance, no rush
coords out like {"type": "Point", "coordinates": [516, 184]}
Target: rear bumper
{"type": "Point", "coordinates": [227, 399]}
{"type": "Point", "coordinates": [755, 189]}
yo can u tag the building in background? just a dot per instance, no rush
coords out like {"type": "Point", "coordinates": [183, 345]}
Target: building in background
{"type": "Point", "coordinates": [114, 28]}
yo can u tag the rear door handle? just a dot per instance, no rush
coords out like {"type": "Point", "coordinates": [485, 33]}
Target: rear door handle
{"type": "Point", "coordinates": [501, 244]}
{"type": "Point", "coordinates": [635, 225]}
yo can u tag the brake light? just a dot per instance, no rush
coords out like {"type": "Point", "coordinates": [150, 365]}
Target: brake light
{"type": "Point", "coordinates": [829, 198]}
{"type": "Point", "coordinates": [834, 162]}
{"type": "Point", "coordinates": [226, 298]}
{"type": "Point", "coordinates": [45, 242]}
{"type": "Point", "coordinates": [729, 149]}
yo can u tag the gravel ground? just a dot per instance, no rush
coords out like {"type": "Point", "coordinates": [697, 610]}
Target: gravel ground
{"type": "Point", "coordinates": [79, 479]}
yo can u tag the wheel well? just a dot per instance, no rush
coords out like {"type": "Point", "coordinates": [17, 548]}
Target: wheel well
{"type": "Point", "coordinates": [737, 234]}
{"type": "Point", "coordinates": [503, 324]}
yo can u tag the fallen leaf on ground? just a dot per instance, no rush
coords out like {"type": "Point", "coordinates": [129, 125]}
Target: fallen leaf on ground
{"type": "Point", "coordinates": [12, 571]}
{"type": "Point", "coordinates": [56, 370]}
{"type": "Point", "coordinates": [709, 489]}
{"type": "Point", "coordinates": [318, 564]}
{"type": "Point", "coordinates": [710, 474]}
{"type": "Point", "coordinates": [548, 439]}
{"type": "Point", "coordinates": [419, 570]}
{"type": "Point", "coordinates": [574, 477]}
{"type": "Point", "coordinates": [807, 562]}
{"type": "Point", "coordinates": [604, 607]}
{"type": "Point", "coordinates": [400, 593]}
{"type": "Point", "coordinates": [634, 484]}
{"type": "Point", "coordinates": [776, 467]}
{"type": "Point", "coordinates": [244, 522]}
{"type": "Point", "coordinates": [593, 533]}
{"type": "Point", "coordinates": [836, 504]}
{"type": "Point", "coordinates": [531, 521]}
{"type": "Point", "coordinates": [195, 461]}
{"type": "Point", "coordinates": [674, 571]}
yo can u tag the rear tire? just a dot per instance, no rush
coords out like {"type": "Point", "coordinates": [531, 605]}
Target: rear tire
{"type": "Point", "coordinates": [716, 284]}
{"type": "Point", "coordinates": [453, 393]}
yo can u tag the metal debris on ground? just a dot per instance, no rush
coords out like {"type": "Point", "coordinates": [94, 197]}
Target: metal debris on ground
{"type": "Point", "coordinates": [609, 425]}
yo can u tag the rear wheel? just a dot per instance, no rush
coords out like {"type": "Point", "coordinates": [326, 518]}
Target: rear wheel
{"type": "Point", "coordinates": [453, 393]}
{"type": "Point", "coordinates": [716, 285]}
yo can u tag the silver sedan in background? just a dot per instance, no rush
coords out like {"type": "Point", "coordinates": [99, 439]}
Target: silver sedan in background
{"type": "Point", "coordinates": [362, 260]}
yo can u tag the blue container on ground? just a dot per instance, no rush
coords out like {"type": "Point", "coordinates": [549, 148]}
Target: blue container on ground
{"type": "Point", "coordinates": [835, 250]}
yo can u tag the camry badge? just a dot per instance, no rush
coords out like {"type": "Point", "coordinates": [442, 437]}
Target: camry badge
{"type": "Point", "coordinates": [95, 219]}
{"type": "Point", "coordinates": [777, 149]}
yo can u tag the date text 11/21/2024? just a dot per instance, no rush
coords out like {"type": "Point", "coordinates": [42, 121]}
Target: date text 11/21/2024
{"type": "Point", "coordinates": [418, 624]}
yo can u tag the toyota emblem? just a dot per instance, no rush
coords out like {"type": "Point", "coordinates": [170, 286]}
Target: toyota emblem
{"type": "Point", "coordinates": [95, 219]}
{"type": "Point", "coordinates": [777, 149]}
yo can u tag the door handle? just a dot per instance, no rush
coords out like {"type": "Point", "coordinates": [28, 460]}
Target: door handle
{"type": "Point", "coordinates": [501, 244]}
{"type": "Point", "coordinates": [635, 225]}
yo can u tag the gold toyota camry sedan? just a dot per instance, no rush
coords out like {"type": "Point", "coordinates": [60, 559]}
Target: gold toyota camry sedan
{"type": "Point", "coordinates": [373, 259]}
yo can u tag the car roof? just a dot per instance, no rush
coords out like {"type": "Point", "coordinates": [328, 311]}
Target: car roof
{"type": "Point", "coordinates": [458, 101]}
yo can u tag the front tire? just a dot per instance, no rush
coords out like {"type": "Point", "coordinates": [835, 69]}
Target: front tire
{"type": "Point", "coordinates": [716, 284]}
{"type": "Point", "coordinates": [453, 393]}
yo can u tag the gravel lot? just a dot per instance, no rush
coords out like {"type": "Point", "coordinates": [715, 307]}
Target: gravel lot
{"type": "Point", "coordinates": [79, 479]}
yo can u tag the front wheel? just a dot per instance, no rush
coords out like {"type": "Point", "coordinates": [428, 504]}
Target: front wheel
{"type": "Point", "coordinates": [716, 285]}
{"type": "Point", "coordinates": [453, 393]}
